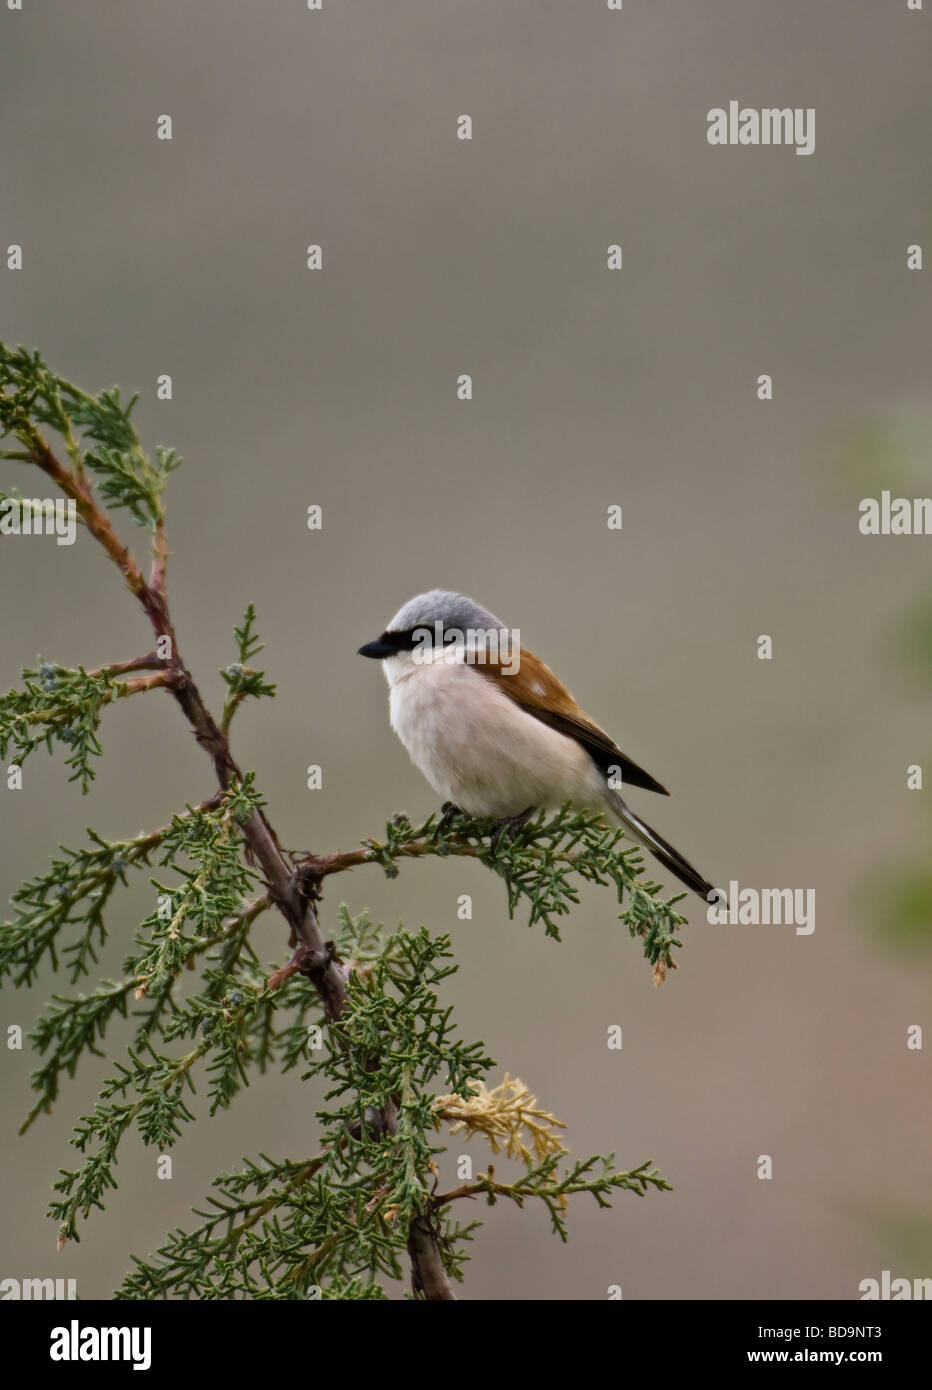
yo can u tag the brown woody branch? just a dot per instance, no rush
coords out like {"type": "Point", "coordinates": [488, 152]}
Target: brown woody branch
{"type": "Point", "coordinates": [297, 907]}
{"type": "Point", "coordinates": [319, 866]}
{"type": "Point", "coordinates": [150, 662]}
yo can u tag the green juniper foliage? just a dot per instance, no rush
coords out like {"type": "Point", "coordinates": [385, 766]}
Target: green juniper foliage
{"type": "Point", "coordinates": [538, 861]}
{"type": "Point", "coordinates": [362, 1015]}
{"type": "Point", "coordinates": [56, 706]}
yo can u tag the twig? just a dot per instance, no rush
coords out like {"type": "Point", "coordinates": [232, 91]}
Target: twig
{"type": "Point", "coordinates": [150, 662]}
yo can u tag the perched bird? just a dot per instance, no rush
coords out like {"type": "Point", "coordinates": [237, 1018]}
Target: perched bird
{"type": "Point", "coordinates": [493, 730]}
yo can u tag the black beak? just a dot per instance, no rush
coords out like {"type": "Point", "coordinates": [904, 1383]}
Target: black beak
{"type": "Point", "coordinates": [378, 650]}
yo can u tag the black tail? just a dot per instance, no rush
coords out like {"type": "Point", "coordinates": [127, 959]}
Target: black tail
{"type": "Point", "coordinates": [661, 849]}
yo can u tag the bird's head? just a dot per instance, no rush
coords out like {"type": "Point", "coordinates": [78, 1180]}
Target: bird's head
{"type": "Point", "coordinates": [436, 626]}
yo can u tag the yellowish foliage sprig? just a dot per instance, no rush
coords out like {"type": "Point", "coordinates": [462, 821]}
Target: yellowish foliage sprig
{"type": "Point", "coordinates": [509, 1118]}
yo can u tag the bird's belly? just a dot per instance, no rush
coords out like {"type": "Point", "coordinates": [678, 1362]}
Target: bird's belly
{"type": "Point", "coordinates": [483, 752]}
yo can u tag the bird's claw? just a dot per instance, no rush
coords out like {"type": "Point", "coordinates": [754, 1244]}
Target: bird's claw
{"type": "Point", "coordinates": [448, 814]}
{"type": "Point", "coordinates": [507, 827]}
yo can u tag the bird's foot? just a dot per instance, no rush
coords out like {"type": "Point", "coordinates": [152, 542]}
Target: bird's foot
{"type": "Point", "coordinates": [448, 814]}
{"type": "Point", "coordinates": [506, 828]}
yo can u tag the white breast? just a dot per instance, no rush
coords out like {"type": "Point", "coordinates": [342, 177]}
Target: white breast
{"type": "Point", "coordinates": [479, 749]}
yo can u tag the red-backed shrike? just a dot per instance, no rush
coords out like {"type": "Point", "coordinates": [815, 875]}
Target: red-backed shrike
{"type": "Point", "coordinates": [493, 730]}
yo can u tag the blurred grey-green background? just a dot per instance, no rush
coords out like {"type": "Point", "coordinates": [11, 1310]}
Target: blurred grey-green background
{"type": "Point", "coordinates": [338, 387]}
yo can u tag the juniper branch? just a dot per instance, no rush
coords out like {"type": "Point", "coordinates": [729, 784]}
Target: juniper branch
{"type": "Point", "coordinates": [553, 1189]}
{"type": "Point", "coordinates": [30, 392]}
{"type": "Point", "coordinates": [44, 905]}
{"type": "Point", "coordinates": [538, 863]}
{"type": "Point", "coordinates": [367, 1197]}
{"type": "Point", "coordinates": [37, 394]}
